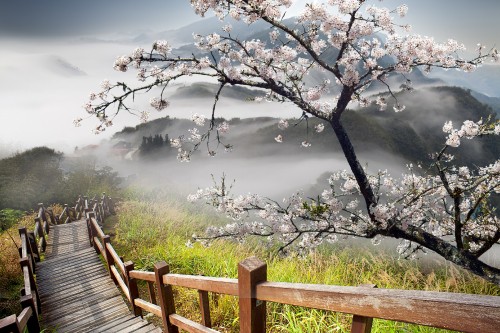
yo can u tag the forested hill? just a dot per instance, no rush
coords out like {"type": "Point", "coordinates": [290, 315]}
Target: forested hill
{"type": "Point", "coordinates": [411, 134]}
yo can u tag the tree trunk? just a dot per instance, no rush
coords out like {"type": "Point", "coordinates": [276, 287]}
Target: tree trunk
{"type": "Point", "coordinates": [445, 249]}
{"type": "Point", "coordinates": [461, 258]}
{"type": "Point", "coordinates": [356, 168]}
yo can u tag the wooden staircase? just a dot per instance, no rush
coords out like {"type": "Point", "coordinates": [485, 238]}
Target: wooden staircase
{"type": "Point", "coordinates": [76, 292]}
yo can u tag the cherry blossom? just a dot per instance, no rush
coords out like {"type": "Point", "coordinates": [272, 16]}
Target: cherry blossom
{"type": "Point", "coordinates": [424, 209]}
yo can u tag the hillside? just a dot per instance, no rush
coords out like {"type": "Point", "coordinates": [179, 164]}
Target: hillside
{"type": "Point", "coordinates": [410, 135]}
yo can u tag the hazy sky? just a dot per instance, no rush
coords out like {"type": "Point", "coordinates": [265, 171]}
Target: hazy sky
{"type": "Point", "coordinates": [467, 20]}
{"type": "Point", "coordinates": [47, 72]}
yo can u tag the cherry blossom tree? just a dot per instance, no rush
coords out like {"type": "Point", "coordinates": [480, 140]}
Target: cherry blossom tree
{"type": "Point", "coordinates": [449, 210]}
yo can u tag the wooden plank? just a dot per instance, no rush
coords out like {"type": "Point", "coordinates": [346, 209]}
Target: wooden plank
{"type": "Point", "coordinates": [9, 324]}
{"type": "Point", "coordinates": [135, 327]}
{"type": "Point", "coordinates": [121, 283]}
{"type": "Point", "coordinates": [73, 276]}
{"type": "Point", "coordinates": [94, 322]}
{"type": "Point", "coordinates": [98, 229]}
{"type": "Point", "coordinates": [76, 289]}
{"type": "Point", "coordinates": [120, 324]}
{"type": "Point", "coordinates": [76, 304]}
{"type": "Point", "coordinates": [86, 314]}
{"type": "Point", "coordinates": [189, 325]}
{"type": "Point", "coordinates": [76, 253]}
{"type": "Point", "coordinates": [150, 307]}
{"type": "Point", "coordinates": [482, 312]}
{"type": "Point", "coordinates": [99, 320]}
{"type": "Point", "coordinates": [146, 329]}
{"type": "Point", "coordinates": [116, 323]}
{"type": "Point", "coordinates": [57, 277]}
{"type": "Point", "coordinates": [116, 258]}
{"type": "Point", "coordinates": [81, 263]}
{"type": "Point", "coordinates": [142, 275]}
{"type": "Point", "coordinates": [23, 317]}
{"type": "Point", "coordinates": [73, 293]}
{"type": "Point", "coordinates": [216, 285]}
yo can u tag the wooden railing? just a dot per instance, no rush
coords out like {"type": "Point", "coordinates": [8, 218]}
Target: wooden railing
{"type": "Point", "coordinates": [32, 244]}
{"type": "Point", "coordinates": [463, 312]}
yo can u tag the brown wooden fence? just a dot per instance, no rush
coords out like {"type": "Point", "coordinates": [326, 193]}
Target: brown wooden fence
{"type": "Point", "coordinates": [462, 312]}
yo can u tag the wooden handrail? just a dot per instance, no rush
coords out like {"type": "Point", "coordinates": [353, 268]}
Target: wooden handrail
{"type": "Point", "coordinates": [216, 285]}
{"type": "Point", "coordinates": [189, 325]}
{"type": "Point", "coordinates": [150, 307]}
{"type": "Point", "coordinates": [121, 283]}
{"type": "Point", "coordinates": [23, 317]}
{"type": "Point", "coordinates": [411, 306]}
{"type": "Point", "coordinates": [19, 323]}
{"type": "Point", "coordinates": [116, 258]}
{"type": "Point", "coordinates": [418, 307]}
{"type": "Point", "coordinates": [30, 301]}
{"type": "Point", "coordinates": [143, 275]}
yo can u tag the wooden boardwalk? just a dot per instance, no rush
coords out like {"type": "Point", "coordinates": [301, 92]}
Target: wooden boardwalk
{"type": "Point", "coordinates": [76, 292]}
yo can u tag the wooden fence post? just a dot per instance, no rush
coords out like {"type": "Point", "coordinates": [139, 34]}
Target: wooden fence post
{"type": "Point", "coordinates": [89, 228]}
{"type": "Point", "coordinates": [94, 232]}
{"type": "Point", "coordinates": [205, 308]}
{"type": "Point", "coordinates": [33, 246]}
{"type": "Point", "coordinates": [166, 296]}
{"type": "Point", "coordinates": [251, 272]}
{"type": "Point", "coordinates": [29, 254]}
{"type": "Point", "coordinates": [111, 205]}
{"type": "Point", "coordinates": [44, 217]}
{"type": "Point", "coordinates": [151, 289]}
{"type": "Point", "coordinates": [109, 259]}
{"type": "Point", "coordinates": [24, 262]}
{"type": "Point", "coordinates": [33, 324]}
{"type": "Point", "coordinates": [52, 218]}
{"type": "Point", "coordinates": [39, 232]}
{"type": "Point", "coordinates": [362, 324]}
{"type": "Point", "coordinates": [132, 287]}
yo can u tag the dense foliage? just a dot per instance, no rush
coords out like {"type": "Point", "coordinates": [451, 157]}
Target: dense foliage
{"type": "Point", "coordinates": [43, 175]}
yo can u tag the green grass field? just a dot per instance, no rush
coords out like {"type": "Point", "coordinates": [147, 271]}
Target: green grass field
{"type": "Point", "coordinates": [148, 232]}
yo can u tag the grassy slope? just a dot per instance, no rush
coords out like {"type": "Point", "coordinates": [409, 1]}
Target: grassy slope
{"type": "Point", "coordinates": [148, 232]}
{"type": "Point", "coordinates": [11, 279]}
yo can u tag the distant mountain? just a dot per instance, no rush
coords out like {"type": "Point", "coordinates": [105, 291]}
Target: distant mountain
{"type": "Point", "coordinates": [493, 102]}
{"type": "Point", "coordinates": [184, 35]}
{"type": "Point", "coordinates": [208, 90]}
{"type": "Point", "coordinates": [485, 79]}
{"type": "Point", "coordinates": [410, 135]}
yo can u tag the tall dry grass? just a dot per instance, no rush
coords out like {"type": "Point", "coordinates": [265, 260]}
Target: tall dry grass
{"type": "Point", "coordinates": [10, 271]}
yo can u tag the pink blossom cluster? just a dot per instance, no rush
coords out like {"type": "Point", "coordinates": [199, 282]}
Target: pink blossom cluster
{"type": "Point", "coordinates": [454, 197]}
